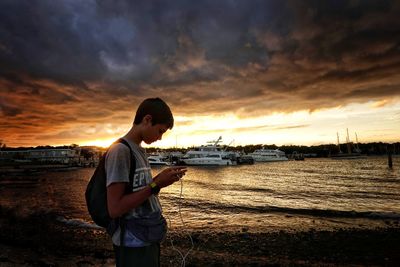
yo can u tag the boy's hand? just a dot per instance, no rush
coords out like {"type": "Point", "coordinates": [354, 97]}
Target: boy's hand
{"type": "Point", "coordinates": [170, 176]}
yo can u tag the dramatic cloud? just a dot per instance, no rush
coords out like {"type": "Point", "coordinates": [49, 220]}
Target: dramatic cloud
{"type": "Point", "coordinates": [67, 68]}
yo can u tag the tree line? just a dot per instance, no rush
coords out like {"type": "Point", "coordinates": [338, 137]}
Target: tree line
{"type": "Point", "coordinates": [324, 150]}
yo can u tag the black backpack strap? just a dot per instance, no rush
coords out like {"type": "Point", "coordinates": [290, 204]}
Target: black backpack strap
{"type": "Point", "coordinates": [133, 164]}
{"type": "Point", "coordinates": [128, 189]}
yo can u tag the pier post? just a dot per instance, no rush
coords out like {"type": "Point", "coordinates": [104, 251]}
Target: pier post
{"type": "Point", "coordinates": [389, 152]}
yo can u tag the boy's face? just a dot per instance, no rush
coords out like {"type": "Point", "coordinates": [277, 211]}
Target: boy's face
{"type": "Point", "coordinates": [154, 133]}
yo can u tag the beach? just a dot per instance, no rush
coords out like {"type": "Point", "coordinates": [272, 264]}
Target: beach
{"type": "Point", "coordinates": [312, 213]}
{"type": "Point", "coordinates": [43, 240]}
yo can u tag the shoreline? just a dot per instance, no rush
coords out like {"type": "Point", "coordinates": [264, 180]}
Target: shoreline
{"type": "Point", "coordinates": [33, 170]}
{"type": "Point", "coordinates": [41, 240]}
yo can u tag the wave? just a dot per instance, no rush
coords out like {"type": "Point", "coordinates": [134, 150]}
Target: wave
{"type": "Point", "coordinates": [19, 183]}
{"type": "Point", "coordinates": [336, 213]}
{"type": "Point", "coordinates": [231, 187]}
{"type": "Point", "coordinates": [77, 223]}
{"type": "Point", "coordinates": [14, 214]}
{"type": "Point", "coordinates": [371, 194]}
{"type": "Point", "coordinates": [242, 188]}
{"type": "Point", "coordinates": [323, 213]}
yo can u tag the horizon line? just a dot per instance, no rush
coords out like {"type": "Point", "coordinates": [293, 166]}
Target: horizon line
{"type": "Point", "coordinates": [174, 147]}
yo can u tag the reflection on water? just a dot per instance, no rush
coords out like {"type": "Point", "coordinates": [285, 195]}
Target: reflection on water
{"type": "Point", "coordinates": [224, 196]}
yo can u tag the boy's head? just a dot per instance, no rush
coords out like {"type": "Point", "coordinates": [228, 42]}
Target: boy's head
{"type": "Point", "coordinates": [154, 113]}
{"type": "Point", "coordinates": [158, 110]}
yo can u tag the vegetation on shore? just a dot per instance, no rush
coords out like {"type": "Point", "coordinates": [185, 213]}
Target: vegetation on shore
{"type": "Point", "coordinates": [324, 150]}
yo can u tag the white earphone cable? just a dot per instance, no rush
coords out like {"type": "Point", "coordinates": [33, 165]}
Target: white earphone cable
{"type": "Point", "coordinates": [183, 256]}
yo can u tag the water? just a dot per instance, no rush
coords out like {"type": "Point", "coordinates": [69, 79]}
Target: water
{"type": "Point", "coordinates": [294, 194]}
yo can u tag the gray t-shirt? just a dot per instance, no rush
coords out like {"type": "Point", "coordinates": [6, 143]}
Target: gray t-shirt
{"type": "Point", "coordinates": [118, 165]}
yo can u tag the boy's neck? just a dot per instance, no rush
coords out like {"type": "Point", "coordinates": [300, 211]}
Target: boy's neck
{"type": "Point", "coordinates": [134, 135]}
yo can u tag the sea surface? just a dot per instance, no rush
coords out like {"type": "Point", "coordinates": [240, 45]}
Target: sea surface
{"type": "Point", "coordinates": [314, 193]}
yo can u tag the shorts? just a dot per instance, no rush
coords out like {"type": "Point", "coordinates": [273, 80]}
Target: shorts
{"type": "Point", "coordinates": [148, 256]}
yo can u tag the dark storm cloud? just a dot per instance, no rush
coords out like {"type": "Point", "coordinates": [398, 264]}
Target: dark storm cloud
{"type": "Point", "coordinates": [84, 61]}
{"type": "Point", "coordinates": [122, 40]}
{"type": "Point", "coordinates": [132, 42]}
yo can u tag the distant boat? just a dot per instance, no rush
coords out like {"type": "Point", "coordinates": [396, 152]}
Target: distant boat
{"type": "Point", "coordinates": [245, 159]}
{"type": "Point", "coordinates": [157, 160]}
{"type": "Point", "coordinates": [353, 151]}
{"type": "Point", "coordinates": [297, 156]}
{"type": "Point", "coordinates": [267, 155]}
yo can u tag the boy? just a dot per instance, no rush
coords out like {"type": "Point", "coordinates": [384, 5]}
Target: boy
{"type": "Point", "coordinates": [153, 118]}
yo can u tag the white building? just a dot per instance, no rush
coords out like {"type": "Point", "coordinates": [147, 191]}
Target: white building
{"type": "Point", "coordinates": [52, 155]}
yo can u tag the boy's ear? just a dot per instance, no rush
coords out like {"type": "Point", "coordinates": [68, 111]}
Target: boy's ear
{"type": "Point", "coordinates": [147, 119]}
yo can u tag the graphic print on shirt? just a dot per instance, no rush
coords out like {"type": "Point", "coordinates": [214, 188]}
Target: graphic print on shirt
{"type": "Point", "coordinates": [142, 178]}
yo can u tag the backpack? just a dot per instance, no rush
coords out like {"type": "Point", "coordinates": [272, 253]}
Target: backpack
{"type": "Point", "coordinates": [96, 192]}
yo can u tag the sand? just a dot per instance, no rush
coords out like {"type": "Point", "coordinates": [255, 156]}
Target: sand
{"type": "Point", "coordinates": [42, 240]}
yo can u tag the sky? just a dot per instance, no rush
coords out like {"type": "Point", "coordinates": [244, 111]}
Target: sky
{"type": "Point", "coordinates": [254, 72]}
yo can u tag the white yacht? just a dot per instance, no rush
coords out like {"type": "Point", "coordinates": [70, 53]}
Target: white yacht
{"type": "Point", "coordinates": [211, 154]}
{"type": "Point", "coordinates": [157, 160]}
{"type": "Point", "coordinates": [264, 155]}
{"type": "Point", "coordinates": [208, 159]}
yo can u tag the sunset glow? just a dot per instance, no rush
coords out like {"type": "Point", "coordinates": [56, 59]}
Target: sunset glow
{"type": "Point", "coordinates": [298, 128]}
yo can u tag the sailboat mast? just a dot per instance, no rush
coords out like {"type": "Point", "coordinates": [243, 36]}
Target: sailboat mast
{"type": "Point", "coordinates": [218, 140]}
{"type": "Point", "coordinates": [338, 143]}
{"type": "Point", "coordinates": [357, 141]}
{"type": "Point", "coordinates": [348, 142]}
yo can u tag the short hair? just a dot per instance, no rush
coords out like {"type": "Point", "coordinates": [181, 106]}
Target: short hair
{"type": "Point", "coordinates": [159, 111]}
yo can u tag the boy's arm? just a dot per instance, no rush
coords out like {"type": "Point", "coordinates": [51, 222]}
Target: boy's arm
{"type": "Point", "coordinates": [119, 203]}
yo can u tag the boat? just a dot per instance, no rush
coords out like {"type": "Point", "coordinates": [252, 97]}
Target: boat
{"type": "Point", "coordinates": [245, 159]}
{"type": "Point", "coordinates": [175, 157]}
{"type": "Point", "coordinates": [157, 160]}
{"type": "Point", "coordinates": [353, 151]}
{"type": "Point", "coordinates": [211, 154]}
{"type": "Point", "coordinates": [267, 155]}
{"type": "Point", "coordinates": [296, 156]}
{"type": "Point", "coordinates": [209, 159]}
